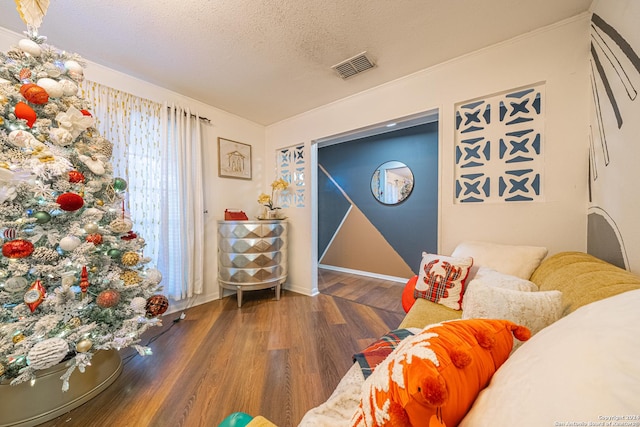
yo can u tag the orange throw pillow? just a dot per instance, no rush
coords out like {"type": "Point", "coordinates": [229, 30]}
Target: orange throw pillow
{"type": "Point", "coordinates": [434, 377]}
{"type": "Point", "coordinates": [408, 299]}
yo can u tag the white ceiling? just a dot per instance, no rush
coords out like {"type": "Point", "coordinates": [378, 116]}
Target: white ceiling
{"type": "Point", "coordinates": [266, 60]}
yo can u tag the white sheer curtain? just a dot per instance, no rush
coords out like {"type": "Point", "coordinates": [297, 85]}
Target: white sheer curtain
{"type": "Point", "coordinates": [182, 253]}
{"type": "Point", "coordinates": [133, 126]}
{"type": "Point", "coordinates": [164, 175]}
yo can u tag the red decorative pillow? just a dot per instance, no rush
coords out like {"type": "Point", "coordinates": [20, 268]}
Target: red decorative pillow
{"type": "Point", "coordinates": [442, 279]}
{"type": "Point", "coordinates": [434, 377]}
{"type": "Point", "coordinates": [407, 294]}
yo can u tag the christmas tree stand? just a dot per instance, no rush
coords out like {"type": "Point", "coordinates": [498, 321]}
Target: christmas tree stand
{"type": "Point", "coordinates": [25, 405]}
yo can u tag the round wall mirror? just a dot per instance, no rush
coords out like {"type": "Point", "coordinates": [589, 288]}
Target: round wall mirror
{"type": "Point", "coordinates": [392, 182]}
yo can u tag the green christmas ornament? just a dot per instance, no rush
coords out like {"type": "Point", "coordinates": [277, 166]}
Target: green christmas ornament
{"type": "Point", "coordinates": [114, 253]}
{"type": "Point", "coordinates": [119, 184]}
{"type": "Point", "coordinates": [42, 217]}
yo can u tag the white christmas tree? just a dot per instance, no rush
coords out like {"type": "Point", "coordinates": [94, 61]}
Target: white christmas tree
{"type": "Point", "coordinates": [73, 277]}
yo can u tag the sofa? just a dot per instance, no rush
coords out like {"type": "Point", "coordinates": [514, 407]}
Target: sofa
{"type": "Point", "coordinates": [579, 367]}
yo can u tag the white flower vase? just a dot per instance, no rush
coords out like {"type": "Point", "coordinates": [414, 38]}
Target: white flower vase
{"type": "Point", "coordinates": [273, 213]}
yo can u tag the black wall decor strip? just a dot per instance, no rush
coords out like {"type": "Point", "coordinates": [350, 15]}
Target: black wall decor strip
{"type": "Point", "coordinates": [618, 39]}
{"type": "Point", "coordinates": [607, 86]}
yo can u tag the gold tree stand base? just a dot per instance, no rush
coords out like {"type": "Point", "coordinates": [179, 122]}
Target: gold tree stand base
{"type": "Point", "coordinates": [24, 405]}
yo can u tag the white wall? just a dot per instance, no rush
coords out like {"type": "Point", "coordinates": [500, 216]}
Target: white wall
{"type": "Point", "coordinates": [220, 193]}
{"type": "Point", "coordinates": [557, 55]}
{"type": "Point", "coordinates": [615, 175]}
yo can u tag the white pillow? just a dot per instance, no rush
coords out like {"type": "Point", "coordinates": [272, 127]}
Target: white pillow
{"type": "Point", "coordinates": [516, 260]}
{"type": "Point", "coordinates": [580, 369]}
{"type": "Point", "coordinates": [490, 277]}
{"type": "Point", "coordinates": [535, 310]}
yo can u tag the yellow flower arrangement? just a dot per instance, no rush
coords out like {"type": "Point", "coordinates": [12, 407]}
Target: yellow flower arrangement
{"type": "Point", "coordinates": [265, 199]}
{"type": "Point", "coordinates": [279, 184]}
{"type": "Point", "coordinates": [268, 200]}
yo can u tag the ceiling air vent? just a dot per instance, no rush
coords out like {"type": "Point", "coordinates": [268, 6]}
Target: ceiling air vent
{"type": "Point", "coordinates": [353, 66]}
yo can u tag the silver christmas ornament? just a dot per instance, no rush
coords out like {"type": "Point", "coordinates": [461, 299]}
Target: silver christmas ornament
{"type": "Point", "coordinates": [91, 227]}
{"type": "Point", "coordinates": [138, 304]}
{"type": "Point", "coordinates": [47, 353]}
{"type": "Point", "coordinates": [69, 243]}
{"type": "Point", "coordinates": [153, 275]}
{"type": "Point", "coordinates": [15, 284]}
{"type": "Point", "coordinates": [120, 225]}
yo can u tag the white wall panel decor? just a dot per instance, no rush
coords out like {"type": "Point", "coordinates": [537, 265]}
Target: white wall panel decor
{"type": "Point", "coordinates": [499, 147]}
{"type": "Point", "coordinates": [291, 162]}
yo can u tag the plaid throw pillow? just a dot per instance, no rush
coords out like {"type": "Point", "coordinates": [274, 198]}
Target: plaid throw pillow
{"type": "Point", "coordinates": [442, 279]}
{"type": "Point", "coordinates": [376, 352]}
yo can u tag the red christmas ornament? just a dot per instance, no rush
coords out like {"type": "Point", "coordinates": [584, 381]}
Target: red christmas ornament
{"type": "Point", "coordinates": [25, 86]}
{"type": "Point", "coordinates": [108, 298]}
{"type": "Point", "coordinates": [34, 295]}
{"type": "Point", "coordinates": [34, 93]}
{"type": "Point", "coordinates": [84, 281]}
{"type": "Point", "coordinates": [94, 238]}
{"type": "Point", "coordinates": [85, 113]}
{"type": "Point", "coordinates": [70, 201]}
{"type": "Point", "coordinates": [25, 73]}
{"type": "Point", "coordinates": [156, 305]}
{"type": "Point", "coordinates": [10, 233]}
{"type": "Point", "coordinates": [129, 236]}
{"type": "Point", "coordinates": [17, 249]}
{"type": "Point", "coordinates": [75, 177]}
{"type": "Point", "coordinates": [23, 111]}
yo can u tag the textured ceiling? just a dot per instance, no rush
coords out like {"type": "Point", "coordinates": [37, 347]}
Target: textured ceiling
{"type": "Point", "coordinates": [267, 60]}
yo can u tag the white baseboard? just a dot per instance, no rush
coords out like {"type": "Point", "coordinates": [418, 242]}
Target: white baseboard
{"type": "Point", "coordinates": [364, 273]}
{"type": "Point", "coordinates": [300, 290]}
{"type": "Point", "coordinates": [178, 306]}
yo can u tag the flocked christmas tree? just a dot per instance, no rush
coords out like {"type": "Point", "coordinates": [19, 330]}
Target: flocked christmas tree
{"type": "Point", "coordinates": [73, 277]}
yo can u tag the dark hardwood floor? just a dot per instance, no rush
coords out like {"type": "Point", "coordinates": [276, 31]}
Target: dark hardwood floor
{"type": "Point", "coordinates": [272, 358]}
{"type": "Point", "coordinates": [378, 293]}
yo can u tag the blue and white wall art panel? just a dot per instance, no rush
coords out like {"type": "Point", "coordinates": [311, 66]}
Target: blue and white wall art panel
{"type": "Point", "coordinates": [499, 147]}
{"type": "Point", "coordinates": [290, 164]}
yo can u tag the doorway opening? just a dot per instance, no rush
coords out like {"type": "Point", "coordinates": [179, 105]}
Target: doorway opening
{"type": "Point", "coordinates": [353, 232]}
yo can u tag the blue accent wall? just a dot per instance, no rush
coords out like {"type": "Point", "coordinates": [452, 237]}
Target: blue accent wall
{"type": "Point", "coordinates": [410, 227]}
{"type": "Point", "coordinates": [333, 208]}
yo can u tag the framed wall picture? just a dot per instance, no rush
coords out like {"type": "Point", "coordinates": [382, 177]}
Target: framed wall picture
{"type": "Point", "coordinates": [234, 159]}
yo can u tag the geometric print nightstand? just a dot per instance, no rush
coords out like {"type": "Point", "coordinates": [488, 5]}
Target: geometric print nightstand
{"type": "Point", "coordinates": [252, 255]}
